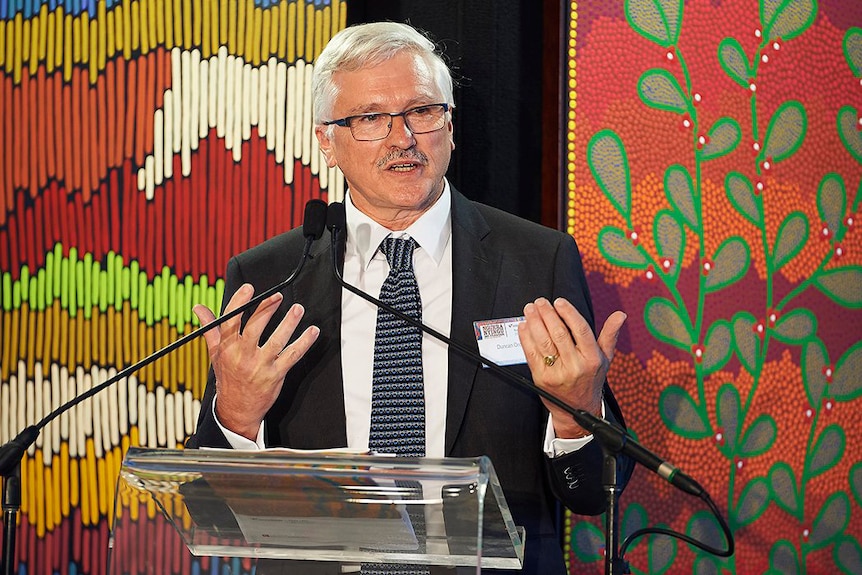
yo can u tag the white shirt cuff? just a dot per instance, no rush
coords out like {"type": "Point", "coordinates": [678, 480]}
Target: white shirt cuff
{"type": "Point", "coordinates": [236, 440]}
{"type": "Point", "coordinates": [555, 447]}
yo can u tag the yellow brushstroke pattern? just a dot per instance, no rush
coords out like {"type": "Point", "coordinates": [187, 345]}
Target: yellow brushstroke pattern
{"type": "Point", "coordinates": [287, 30]}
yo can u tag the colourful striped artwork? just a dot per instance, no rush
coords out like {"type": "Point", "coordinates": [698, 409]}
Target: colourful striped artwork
{"type": "Point", "coordinates": [141, 144]}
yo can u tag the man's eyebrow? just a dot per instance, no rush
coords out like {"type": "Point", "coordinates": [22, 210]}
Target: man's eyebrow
{"type": "Point", "coordinates": [376, 108]}
{"type": "Point", "coordinates": [365, 109]}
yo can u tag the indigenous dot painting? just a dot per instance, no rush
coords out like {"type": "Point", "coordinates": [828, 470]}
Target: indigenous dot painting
{"type": "Point", "coordinates": [141, 144]}
{"type": "Point", "coordinates": [713, 181]}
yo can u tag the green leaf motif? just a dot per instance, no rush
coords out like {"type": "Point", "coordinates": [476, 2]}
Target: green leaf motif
{"type": "Point", "coordinates": [852, 46]}
{"type": "Point", "coordinates": [634, 518]}
{"type": "Point", "coordinates": [716, 351]}
{"type": "Point", "coordinates": [814, 359]}
{"type": "Point", "coordinates": [679, 189]}
{"type": "Point", "coordinates": [588, 542]}
{"type": "Point", "coordinates": [785, 132]}
{"type": "Point", "coordinates": [705, 565]}
{"type": "Point", "coordinates": [656, 20]}
{"type": "Point", "coordinates": [728, 414]}
{"type": "Point", "coordinates": [849, 133]}
{"type": "Point", "coordinates": [681, 414]}
{"type": "Point", "coordinates": [740, 192]}
{"type": "Point", "coordinates": [729, 264]}
{"type": "Point", "coordinates": [796, 327]}
{"type": "Point", "coordinates": [745, 341]}
{"type": "Point", "coordinates": [670, 240]}
{"type": "Point", "coordinates": [847, 377]}
{"type": "Point", "coordinates": [790, 239]}
{"type": "Point", "coordinates": [856, 482]}
{"type": "Point", "coordinates": [618, 249]}
{"type": "Point", "coordinates": [752, 501]}
{"type": "Point", "coordinates": [783, 559]}
{"type": "Point", "coordinates": [724, 136]}
{"type": "Point", "coordinates": [783, 488]}
{"type": "Point", "coordinates": [759, 436]}
{"type": "Point", "coordinates": [831, 521]}
{"type": "Point", "coordinates": [786, 19]}
{"type": "Point", "coordinates": [664, 322]}
{"type": "Point", "coordinates": [734, 62]}
{"type": "Point", "coordinates": [843, 285]}
{"type": "Point", "coordinates": [703, 527]}
{"type": "Point", "coordinates": [658, 89]}
{"type": "Point", "coordinates": [610, 167]}
{"type": "Point", "coordinates": [848, 555]}
{"type": "Point", "coordinates": [832, 201]}
{"type": "Point", "coordinates": [662, 553]}
{"type": "Point", "coordinates": [828, 450]}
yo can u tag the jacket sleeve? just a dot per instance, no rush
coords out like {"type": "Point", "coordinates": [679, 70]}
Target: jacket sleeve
{"type": "Point", "coordinates": [576, 478]}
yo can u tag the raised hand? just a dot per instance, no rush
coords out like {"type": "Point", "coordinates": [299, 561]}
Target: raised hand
{"type": "Point", "coordinates": [249, 376]}
{"type": "Point", "coordinates": [566, 359]}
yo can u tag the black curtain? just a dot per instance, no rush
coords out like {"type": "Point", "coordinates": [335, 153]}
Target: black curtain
{"type": "Point", "coordinates": [495, 50]}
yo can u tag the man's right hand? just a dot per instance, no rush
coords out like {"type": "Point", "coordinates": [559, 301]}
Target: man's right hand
{"type": "Point", "coordinates": [249, 376]}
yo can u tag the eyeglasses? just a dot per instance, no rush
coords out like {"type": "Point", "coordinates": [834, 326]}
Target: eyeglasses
{"type": "Point", "coordinates": [376, 126]}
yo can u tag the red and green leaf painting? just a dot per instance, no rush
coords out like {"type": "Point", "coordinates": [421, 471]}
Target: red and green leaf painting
{"type": "Point", "coordinates": [732, 131]}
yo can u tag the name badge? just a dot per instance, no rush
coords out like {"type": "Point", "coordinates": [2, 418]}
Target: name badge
{"type": "Point", "coordinates": [498, 340]}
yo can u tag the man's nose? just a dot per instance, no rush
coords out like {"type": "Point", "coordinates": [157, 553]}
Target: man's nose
{"type": "Point", "coordinates": [400, 133]}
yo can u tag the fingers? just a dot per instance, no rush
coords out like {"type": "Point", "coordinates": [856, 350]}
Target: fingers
{"type": "Point", "coordinates": [543, 333]}
{"type": "Point", "coordinates": [294, 352]}
{"type": "Point", "coordinates": [579, 328]}
{"type": "Point", "coordinates": [610, 333]}
{"type": "Point", "coordinates": [259, 319]}
{"type": "Point", "coordinates": [288, 355]}
{"type": "Point", "coordinates": [552, 330]}
{"type": "Point", "coordinates": [250, 334]}
{"type": "Point", "coordinates": [206, 316]}
{"type": "Point", "coordinates": [561, 330]}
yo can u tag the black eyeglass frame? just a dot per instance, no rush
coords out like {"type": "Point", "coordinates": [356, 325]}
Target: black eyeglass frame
{"type": "Point", "coordinates": [346, 121]}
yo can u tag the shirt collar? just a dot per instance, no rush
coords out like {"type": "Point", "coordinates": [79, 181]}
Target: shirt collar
{"type": "Point", "coordinates": [431, 231]}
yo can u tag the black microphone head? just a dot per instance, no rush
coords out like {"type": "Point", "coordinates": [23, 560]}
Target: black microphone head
{"type": "Point", "coordinates": [336, 219]}
{"type": "Point", "coordinates": [315, 219]}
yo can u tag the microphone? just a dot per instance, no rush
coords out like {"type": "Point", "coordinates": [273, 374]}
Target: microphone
{"type": "Point", "coordinates": [312, 228]}
{"type": "Point", "coordinates": [612, 437]}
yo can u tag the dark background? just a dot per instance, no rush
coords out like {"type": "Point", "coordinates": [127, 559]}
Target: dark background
{"type": "Point", "coordinates": [506, 63]}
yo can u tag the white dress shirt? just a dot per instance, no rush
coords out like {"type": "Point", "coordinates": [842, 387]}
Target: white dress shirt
{"type": "Point", "coordinates": [366, 268]}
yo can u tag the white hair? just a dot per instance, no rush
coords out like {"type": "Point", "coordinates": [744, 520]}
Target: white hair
{"type": "Point", "coordinates": [370, 44]}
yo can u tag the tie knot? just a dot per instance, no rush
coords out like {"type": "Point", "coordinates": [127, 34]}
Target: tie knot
{"type": "Point", "coordinates": [399, 252]}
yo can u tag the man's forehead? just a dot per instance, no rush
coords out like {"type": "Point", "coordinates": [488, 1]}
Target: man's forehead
{"type": "Point", "coordinates": [403, 81]}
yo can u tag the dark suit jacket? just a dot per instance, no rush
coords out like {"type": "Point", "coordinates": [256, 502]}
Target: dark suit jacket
{"type": "Point", "coordinates": [500, 262]}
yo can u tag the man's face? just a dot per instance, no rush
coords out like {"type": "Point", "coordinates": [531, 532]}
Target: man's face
{"type": "Point", "coordinates": [393, 180]}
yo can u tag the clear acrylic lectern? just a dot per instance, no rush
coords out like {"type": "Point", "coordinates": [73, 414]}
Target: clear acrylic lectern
{"type": "Point", "coordinates": [314, 507]}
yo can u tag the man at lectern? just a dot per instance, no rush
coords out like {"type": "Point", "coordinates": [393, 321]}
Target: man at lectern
{"type": "Point", "coordinates": [356, 376]}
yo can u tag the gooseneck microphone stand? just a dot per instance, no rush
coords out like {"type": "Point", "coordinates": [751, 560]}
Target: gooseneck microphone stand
{"type": "Point", "coordinates": [10, 454]}
{"type": "Point", "coordinates": [613, 439]}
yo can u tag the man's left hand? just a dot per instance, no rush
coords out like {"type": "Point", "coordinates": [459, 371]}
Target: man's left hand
{"type": "Point", "coordinates": [566, 359]}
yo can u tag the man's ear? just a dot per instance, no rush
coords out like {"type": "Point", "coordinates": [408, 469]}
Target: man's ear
{"type": "Point", "coordinates": [327, 146]}
{"type": "Point", "coordinates": [451, 129]}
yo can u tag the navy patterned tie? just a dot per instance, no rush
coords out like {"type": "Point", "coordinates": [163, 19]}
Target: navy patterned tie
{"type": "Point", "coordinates": [397, 393]}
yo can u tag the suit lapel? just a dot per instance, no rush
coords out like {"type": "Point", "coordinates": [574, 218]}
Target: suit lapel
{"type": "Point", "coordinates": [317, 378]}
{"type": "Point", "coordinates": [475, 275]}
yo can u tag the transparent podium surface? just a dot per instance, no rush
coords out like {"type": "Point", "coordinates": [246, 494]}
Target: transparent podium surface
{"type": "Point", "coordinates": [312, 506]}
